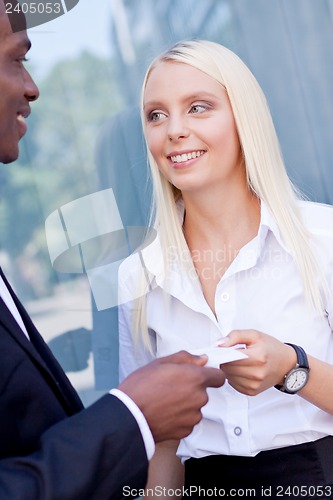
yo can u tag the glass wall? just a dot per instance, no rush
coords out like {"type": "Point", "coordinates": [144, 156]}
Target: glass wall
{"type": "Point", "coordinates": [77, 201]}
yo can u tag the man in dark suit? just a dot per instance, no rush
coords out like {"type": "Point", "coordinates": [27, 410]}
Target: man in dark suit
{"type": "Point", "coordinates": [50, 446]}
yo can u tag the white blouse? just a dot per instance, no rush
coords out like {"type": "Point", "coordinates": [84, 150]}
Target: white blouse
{"type": "Point", "coordinates": [261, 290]}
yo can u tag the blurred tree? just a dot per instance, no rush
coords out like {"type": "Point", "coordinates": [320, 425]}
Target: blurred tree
{"type": "Point", "coordinates": [56, 164]}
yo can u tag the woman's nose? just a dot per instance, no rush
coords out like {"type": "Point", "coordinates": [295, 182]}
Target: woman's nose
{"type": "Point", "coordinates": [177, 128]}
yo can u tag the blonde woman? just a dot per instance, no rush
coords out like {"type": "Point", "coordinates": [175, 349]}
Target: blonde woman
{"type": "Point", "coordinates": [239, 259]}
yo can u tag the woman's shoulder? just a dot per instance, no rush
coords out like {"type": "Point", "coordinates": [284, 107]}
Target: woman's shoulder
{"type": "Point", "coordinates": [317, 217]}
{"type": "Point", "coordinates": [139, 268]}
{"type": "Point", "coordinates": [129, 269]}
{"type": "Point", "coordinates": [318, 220]}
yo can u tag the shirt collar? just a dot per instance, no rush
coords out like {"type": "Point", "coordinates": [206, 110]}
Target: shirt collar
{"type": "Point", "coordinates": [152, 254]}
{"type": "Point", "coordinates": [268, 223]}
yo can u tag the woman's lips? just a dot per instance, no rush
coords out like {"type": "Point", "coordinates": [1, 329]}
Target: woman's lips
{"type": "Point", "coordinates": [185, 159]}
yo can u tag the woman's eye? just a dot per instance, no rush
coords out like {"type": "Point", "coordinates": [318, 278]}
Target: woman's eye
{"type": "Point", "coordinates": [198, 108]}
{"type": "Point", "coordinates": [155, 116]}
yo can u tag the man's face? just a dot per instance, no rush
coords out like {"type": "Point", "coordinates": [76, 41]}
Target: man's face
{"type": "Point", "coordinates": [17, 88]}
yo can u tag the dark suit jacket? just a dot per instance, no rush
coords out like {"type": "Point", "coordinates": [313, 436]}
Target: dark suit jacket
{"type": "Point", "coordinates": [50, 447]}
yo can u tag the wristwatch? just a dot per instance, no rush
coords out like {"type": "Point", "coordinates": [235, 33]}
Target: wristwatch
{"type": "Point", "coordinates": [296, 379]}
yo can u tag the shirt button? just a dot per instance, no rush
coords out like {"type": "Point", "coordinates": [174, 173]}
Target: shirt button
{"type": "Point", "coordinates": [225, 297]}
{"type": "Point", "coordinates": [237, 431]}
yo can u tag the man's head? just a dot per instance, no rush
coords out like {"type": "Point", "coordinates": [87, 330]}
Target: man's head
{"type": "Point", "coordinates": [17, 89]}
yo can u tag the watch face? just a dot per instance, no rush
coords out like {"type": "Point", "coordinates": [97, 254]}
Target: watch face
{"type": "Point", "coordinates": [296, 379]}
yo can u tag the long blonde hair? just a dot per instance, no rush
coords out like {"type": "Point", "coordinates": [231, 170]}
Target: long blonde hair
{"type": "Point", "coordinates": [265, 170]}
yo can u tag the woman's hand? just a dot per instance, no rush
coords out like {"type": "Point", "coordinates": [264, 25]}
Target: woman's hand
{"type": "Point", "coordinates": [267, 363]}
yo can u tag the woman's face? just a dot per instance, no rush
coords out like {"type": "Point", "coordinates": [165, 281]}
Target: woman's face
{"type": "Point", "coordinates": [190, 128]}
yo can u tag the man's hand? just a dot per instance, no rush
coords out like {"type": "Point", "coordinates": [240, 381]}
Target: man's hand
{"type": "Point", "coordinates": [171, 391]}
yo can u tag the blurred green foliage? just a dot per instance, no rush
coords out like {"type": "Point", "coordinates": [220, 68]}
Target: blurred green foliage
{"type": "Point", "coordinates": [56, 163]}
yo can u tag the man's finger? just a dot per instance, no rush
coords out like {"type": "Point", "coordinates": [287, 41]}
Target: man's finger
{"type": "Point", "coordinates": [185, 357]}
{"type": "Point", "coordinates": [214, 377]}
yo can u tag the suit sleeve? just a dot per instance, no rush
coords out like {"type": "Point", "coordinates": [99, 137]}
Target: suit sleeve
{"type": "Point", "coordinates": [90, 456]}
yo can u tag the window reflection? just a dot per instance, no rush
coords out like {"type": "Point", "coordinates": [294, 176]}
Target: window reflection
{"type": "Point", "coordinates": [85, 137]}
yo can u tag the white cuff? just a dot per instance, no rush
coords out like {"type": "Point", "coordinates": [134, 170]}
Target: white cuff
{"type": "Point", "coordinates": [141, 421]}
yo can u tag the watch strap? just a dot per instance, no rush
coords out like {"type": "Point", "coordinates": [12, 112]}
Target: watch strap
{"type": "Point", "coordinates": [302, 359]}
{"type": "Point", "coordinates": [302, 362]}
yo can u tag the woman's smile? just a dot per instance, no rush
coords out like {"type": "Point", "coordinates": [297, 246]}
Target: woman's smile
{"type": "Point", "coordinates": [184, 159]}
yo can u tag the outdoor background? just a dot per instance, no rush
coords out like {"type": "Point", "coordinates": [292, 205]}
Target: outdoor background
{"type": "Point", "coordinates": [84, 137]}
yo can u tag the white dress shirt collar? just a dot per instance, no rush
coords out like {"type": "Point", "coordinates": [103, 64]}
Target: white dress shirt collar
{"type": "Point", "coordinates": [155, 266]}
{"type": "Point", "coordinates": [8, 300]}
